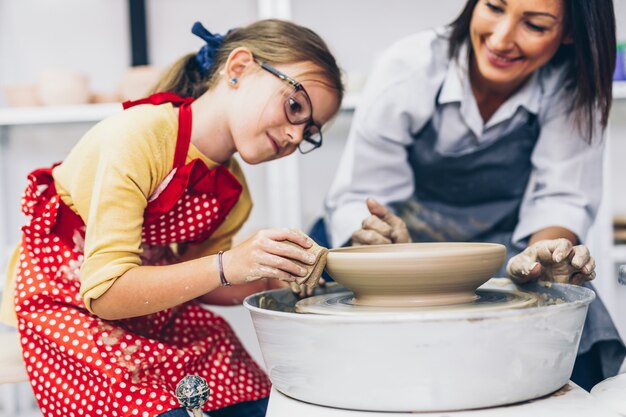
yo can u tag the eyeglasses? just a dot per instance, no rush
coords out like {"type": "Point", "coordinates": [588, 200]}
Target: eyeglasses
{"type": "Point", "coordinates": [299, 110]}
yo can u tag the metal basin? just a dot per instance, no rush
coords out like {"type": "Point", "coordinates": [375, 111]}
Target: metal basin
{"type": "Point", "coordinates": [421, 360]}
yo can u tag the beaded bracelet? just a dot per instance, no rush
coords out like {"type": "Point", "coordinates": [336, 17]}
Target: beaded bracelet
{"type": "Point", "coordinates": [223, 279]}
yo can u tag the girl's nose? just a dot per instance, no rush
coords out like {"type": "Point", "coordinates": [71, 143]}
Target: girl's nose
{"type": "Point", "coordinates": [295, 134]}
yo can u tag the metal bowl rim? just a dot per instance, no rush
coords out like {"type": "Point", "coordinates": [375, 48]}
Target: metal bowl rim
{"type": "Point", "coordinates": [587, 296]}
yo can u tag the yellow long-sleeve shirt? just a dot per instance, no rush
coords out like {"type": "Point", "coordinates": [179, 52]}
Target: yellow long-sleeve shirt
{"type": "Point", "coordinates": [107, 180]}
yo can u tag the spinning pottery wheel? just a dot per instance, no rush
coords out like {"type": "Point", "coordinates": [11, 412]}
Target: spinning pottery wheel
{"type": "Point", "coordinates": [343, 303]}
{"type": "Point", "coordinates": [502, 345]}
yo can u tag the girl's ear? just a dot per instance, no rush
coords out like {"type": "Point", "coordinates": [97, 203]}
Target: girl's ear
{"type": "Point", "coordinates": [238, 63]}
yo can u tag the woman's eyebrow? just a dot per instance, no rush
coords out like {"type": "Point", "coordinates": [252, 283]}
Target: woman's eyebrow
{"type": "Point", "coordinates": [546, 14]}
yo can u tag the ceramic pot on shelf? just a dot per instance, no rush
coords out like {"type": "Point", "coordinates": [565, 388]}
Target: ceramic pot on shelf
{"type": "Point", "coordinates": [138, 81]}
{"type": "Point", "coordinates": [62, 88]}
{"type": "Point", "coordinates": [21, 95]}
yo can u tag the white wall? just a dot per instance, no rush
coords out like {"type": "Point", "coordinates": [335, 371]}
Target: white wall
{"type": "Point", "coordinates": [88, 36]}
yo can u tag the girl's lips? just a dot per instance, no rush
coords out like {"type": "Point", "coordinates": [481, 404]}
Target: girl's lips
{"type": "Point", "coordinates": [274, 144]}
{"type": "Point", "coordinates": [500, 61]}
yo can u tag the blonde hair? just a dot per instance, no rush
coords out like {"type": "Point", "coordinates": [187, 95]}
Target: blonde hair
{"type": "Point", "coordinates": [271, 40]}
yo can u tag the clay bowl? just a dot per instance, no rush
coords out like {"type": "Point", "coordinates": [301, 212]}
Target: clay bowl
{"type": "Point", "coordinates": [62, 87]}
{"type": "Point", "coordinates": [21, 95]}
{"type": "Point", "coordinates": [415, 274]}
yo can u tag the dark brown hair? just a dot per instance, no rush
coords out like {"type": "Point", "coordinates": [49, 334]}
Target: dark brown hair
{"type": "Point", "coordinates": [590, 58]}
{"type": "Point", "coordinates": [271, 40]}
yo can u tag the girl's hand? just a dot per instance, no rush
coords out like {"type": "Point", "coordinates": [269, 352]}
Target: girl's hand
{"type": "Point", "coordinates": [303, 291]}
{"type": "Point", "coordinates": [268, 255]}
{"type": "Point", "coordinates": [382, 227]}
{"type": "Point", "coordinates": [300, 290]}
{"type": "Point", "coordinates": [554, 260]}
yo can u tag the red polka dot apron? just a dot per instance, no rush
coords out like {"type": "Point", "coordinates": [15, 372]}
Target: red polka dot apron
{"type": "Point", "coordinates": [80, 365]}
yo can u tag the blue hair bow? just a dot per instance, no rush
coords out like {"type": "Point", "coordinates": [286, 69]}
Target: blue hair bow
{"type": "Point", "coordinates": [206, 54]}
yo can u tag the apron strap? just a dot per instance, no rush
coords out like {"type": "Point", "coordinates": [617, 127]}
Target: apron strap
{"type": "Point", "coordinates": [158, 98]}
{"type": "Point", "coordinates": [184, 134]}
{"type": "Point", "coordinates": [184, 120]}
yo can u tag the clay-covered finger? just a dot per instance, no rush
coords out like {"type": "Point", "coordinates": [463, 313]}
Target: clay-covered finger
{"type": "Point", "coordinates": [293, 235]}
{"type": "Point", "coordinates": [579, 278]}
{"type": "Point", "coordinates": [522, 268]}
{"type": "Point", "coordinates": [376, 208]}
{"type": "Point", "coordinates": [378, 225]}
{"type": "Point", "coordinates": [400, 233]}
{"type": "Point", "coordinates": [552, 250]}
{"type": "Point", "coordinates": [369, 237]}
{"type": "Point", "coordinates": [298, 290]}
{"type": "Point", "coordinates": [285, 249]}
{"type": "Point", "coordinates": [581, 257]}
{"type": "Point", "coordinates": [543, 252]}
{"type": "Point", "coordinates": [561, 249]}
{"type": "Point", "coordinates": [589, 267]}
{"type": "Point", "coordinates": [286, 265]}
{"type": "Point", "coordinates": [265, 271]}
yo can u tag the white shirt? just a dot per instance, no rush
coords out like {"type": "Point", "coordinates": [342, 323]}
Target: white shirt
{"type": "Point", "coordinates": [401, 97]}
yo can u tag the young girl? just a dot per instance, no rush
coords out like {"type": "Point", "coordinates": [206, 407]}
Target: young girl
{"type": "Point", "coordinates": [136, 225]}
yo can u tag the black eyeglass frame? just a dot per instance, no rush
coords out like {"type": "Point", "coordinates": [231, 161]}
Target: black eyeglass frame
{"type": "Point", "coordinates": [297, 87]}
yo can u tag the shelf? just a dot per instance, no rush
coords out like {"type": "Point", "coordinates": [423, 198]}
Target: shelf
{"type": "Point", "coordinates": [619, 90]}
{"type": "Point", "coordinates": [15, 116]}
{"type": "Point", "coordinates": [619, 253]}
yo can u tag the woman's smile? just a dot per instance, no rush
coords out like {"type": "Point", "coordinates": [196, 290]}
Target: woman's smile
{"type": "Point", "coordinates": [500, 60]}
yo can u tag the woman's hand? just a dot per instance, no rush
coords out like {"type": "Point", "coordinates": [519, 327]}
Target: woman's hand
{"type": "Point", "coordinates": [381, 227]}
{"type": "Point", "coordinates": [268, 255]}
{"type": "Point", "coordinates": [554, 260]}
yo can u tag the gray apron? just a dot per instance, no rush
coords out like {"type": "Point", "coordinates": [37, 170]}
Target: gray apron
{"type": "Point", "coordinates": [476, 197]}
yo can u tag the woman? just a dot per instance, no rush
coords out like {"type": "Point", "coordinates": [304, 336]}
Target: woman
{"type": "Point", "coordinates": [135, 227]}
{"type": "Point", "coordinates": [490, 130]}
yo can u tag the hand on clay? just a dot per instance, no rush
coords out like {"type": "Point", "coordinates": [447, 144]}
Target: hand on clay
{"type": "Point", "coordinates": [381, 227]}
{"type": "Point", "coordinates": [554, 260]}
{"type": "Point", "coordinates": [302, 290]}
{"type": "Point", "coordinates": [272, 253]}
{"type": "Point", "coordinates": [305, 286]}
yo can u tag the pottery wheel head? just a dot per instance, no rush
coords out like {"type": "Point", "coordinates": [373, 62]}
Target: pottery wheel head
{"type": "Point", "coordinates": [342, 303]}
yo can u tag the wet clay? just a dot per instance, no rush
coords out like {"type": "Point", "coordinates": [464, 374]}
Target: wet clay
{"type": "Point", "coordinates": [314, 272]}
{"type": "Point", "coordinates": [415, 274]}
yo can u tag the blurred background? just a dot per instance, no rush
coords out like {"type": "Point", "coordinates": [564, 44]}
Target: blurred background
{"type": "Point", "coordinates": [63, 63]}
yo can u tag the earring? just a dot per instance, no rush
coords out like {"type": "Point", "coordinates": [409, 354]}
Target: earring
{"type": "Point", "coordinates": [233, 81]}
